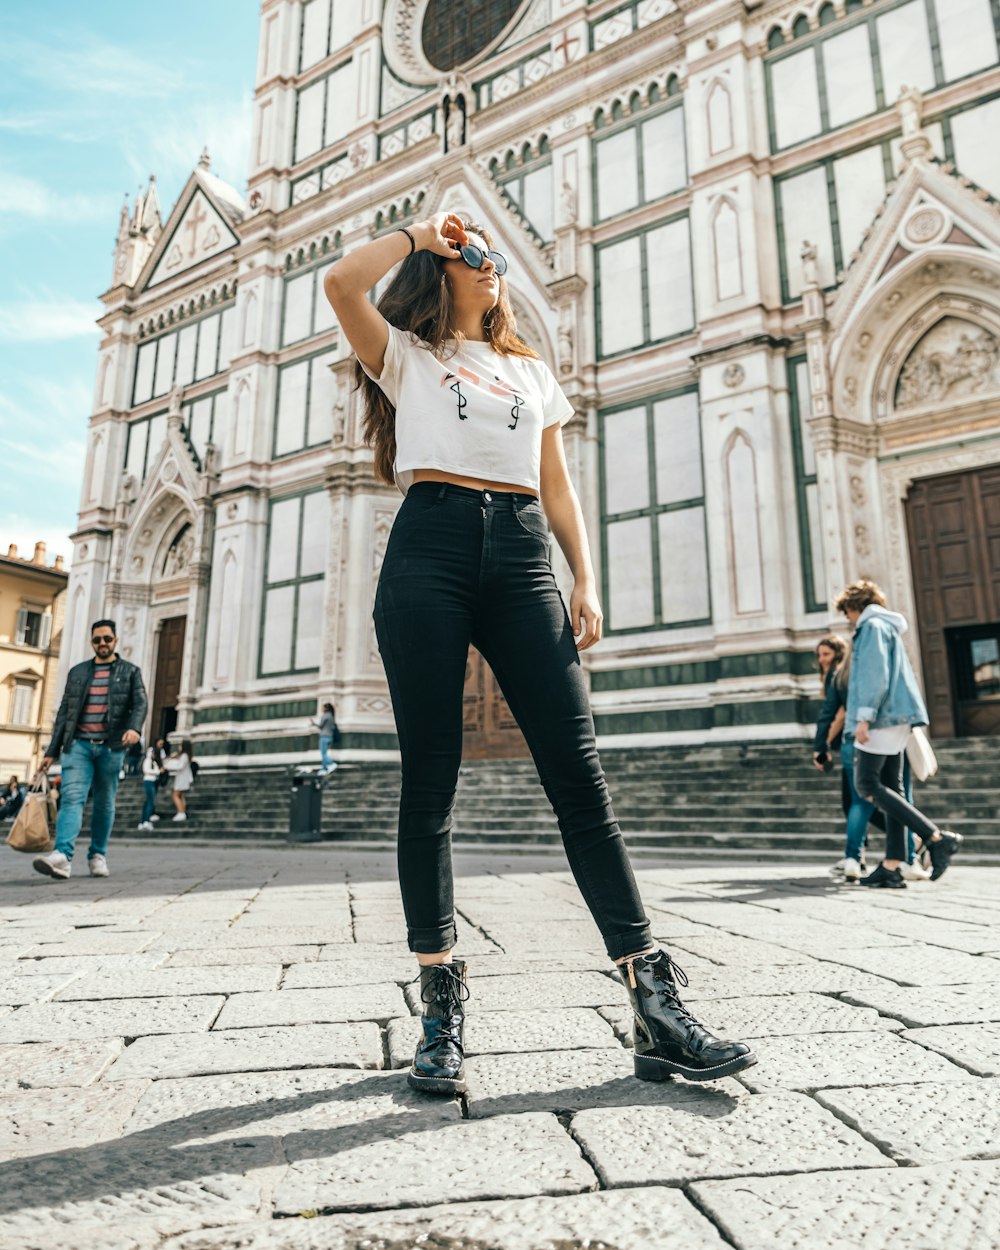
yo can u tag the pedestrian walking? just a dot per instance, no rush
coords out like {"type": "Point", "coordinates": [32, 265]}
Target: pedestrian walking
{"type": "Point", "coordinates": [181, 765]}
{"type": "Point", "coordinates": [101, 714]}
{"type": "Point", "coordinates": [329, 736]}
{"type": "Point", "coordinates": [11, 799]}
{"type": "Point", "coordinates": [883, 705]}
{"type": "Point", "coordinates": [466, 420]}
{"type": "Point", "coordinates": [829, 749]}
{"type": "Point", "coordinates": [150, 784]}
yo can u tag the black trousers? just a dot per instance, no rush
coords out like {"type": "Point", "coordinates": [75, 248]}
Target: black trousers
{"type": "Point", "coordinates": [879, 778]}
{"type": "Point", "coordinates": [465, 566]}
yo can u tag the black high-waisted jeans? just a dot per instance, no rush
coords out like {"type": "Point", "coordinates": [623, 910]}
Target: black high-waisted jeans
{"type": "Point", "coordinates": [466, 566]}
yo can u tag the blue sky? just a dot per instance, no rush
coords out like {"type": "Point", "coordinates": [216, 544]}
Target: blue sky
{"type": "Point", "coordinates": [94, 98]}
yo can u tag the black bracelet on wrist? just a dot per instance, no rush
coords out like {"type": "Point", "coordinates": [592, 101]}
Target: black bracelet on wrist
{"type": "Point", "coordinates": [413, 244]}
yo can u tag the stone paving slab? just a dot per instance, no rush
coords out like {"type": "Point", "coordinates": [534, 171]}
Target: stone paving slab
{"type": "Point", "coordinates": [470, 943]}
{"type": "Point", "coordinates": [124, 1017]}
{"type": "Point", "coordinates": [712, 1132]}
{"type": "Point", "coordinates": [918, 965]}
{"type": "Point", "coordinates": [52, 1064]}
{"type": "Point", "coordinates": [169, 982]}
{"type": "Point", "coordinates": [18, 990]}
{"type": "Point", "coordinates": [827, 1060]}
{"type": "Point", "coordinates": [288, 1105]}
{"type": "Point", "coordinates": [906, 1209]}
{"type": "Point", "coordinates": [621, 1219]}
{"type": "Point", "coordinates": [73, 964]}
{"type": "Point", "coordinates": [724, 948]}
{"type": "Point", "coordinates": [33, 1121]}
{"type": "Point", "coordinates": [772, 1016]}
{"type": "Point", "coordinates": [164, 1188]}
{"type": "Point", "coordinates": [927, 1123]}
{"type": "Point", "coordinates": [566, 1081]}
{"type": "Point", "coordinates": [973, 1046]}
{"type": "Point", "coordinates": [359, 1166]}
{"type": "Point", "coordinates": [251, 1050]}
{"type": "Point", "coordinates": [541, 990]}
{"type": "Point", "coordinates": [234, 956]}
{"type": "Point", "coordinates": [914, 1006]}
{"type": "Point", "coordinates": [355, 1002]}
{"type": "Point", "coordinates": [236, 938]}
{"type": "Point", "coordinates": [94, 942]}
{"type": "Point", "coordinates": [358, 970]}
{"type": "Point", "coordinates": [511, 1032]}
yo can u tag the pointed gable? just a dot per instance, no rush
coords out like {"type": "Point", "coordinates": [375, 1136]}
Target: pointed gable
{"type": "Point", "coordinates": [201, 233]}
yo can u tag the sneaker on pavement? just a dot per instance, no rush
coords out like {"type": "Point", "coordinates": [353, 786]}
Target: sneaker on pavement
{"type": "Point", "coordinates": [154, 817]}
{"type": "Point", "coordinates": [180, 816]}
{"type": "Point", "coordinates": [884, 879]}
{"type": "Point", "coordinates": [145, 826]}
{"type": "Point", "coordinates": [852, 870]}
{"type": "Point", "coordinates": [837, 869]}
{"type": "Point", "coordinates": [914, 872]}
{"type": "Point", "coordinates": [98, 866]}
{"type": "Point", "coordinates": [53, 864]}
{"type": "Point", "coordinates": [942, 850]}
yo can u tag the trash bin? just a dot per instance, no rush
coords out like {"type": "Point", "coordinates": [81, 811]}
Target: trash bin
{"type": "Point", "coordinates": [306, 809]}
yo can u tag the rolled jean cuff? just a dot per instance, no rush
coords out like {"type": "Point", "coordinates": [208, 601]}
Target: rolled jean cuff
{"type": "Point", "coordinates": [629, 943]}
{"type": "Point", "coordinates": [432, 941]}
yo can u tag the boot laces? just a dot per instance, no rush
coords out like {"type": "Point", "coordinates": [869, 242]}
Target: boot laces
{"type": "Point", "coordinates": [667, 976]}
{"type": "Point", "coordinates": [445, 989]}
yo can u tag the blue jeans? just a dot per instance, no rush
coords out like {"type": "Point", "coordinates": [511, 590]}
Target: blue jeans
{"type": "Point", "coordinates": [466, 566]}
{"type": "Point", "coordinates": [87, 765]}
{"type": "Point", "coordinates": [149, 806]}
{"type": "Point", "coordinates": [325, 743]}
{"type": "Point", "coordinates": [860, 811]}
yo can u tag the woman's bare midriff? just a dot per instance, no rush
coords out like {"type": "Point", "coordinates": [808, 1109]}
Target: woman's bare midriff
{"type": "Point", "coordinates": [475, 483]}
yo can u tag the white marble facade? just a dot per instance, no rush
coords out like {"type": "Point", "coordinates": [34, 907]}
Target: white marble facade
{"type": "Point", "coordinates": [750, 412]}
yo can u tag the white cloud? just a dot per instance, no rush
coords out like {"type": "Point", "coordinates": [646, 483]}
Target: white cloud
{"type": "Point", "coordinates": [88, 66]}
{"type": "Point", "coordinates": [51, 320]}
{"type": "Point", "coordinates": [27, 197]}
{"type": "Point", "coordinates": [171, 145]}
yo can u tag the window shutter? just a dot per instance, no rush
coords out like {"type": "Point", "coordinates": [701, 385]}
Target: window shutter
{"type": "Point", "coordinates": [46, 631]}
{"type": "Point", "coordinates": [22, 626]}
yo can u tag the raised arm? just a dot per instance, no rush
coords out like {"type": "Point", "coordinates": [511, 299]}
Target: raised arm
{"type": "Point", "coordinates": [349, 280]}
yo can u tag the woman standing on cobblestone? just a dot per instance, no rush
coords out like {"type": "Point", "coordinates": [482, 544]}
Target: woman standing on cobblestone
{"type": "Point", "coordinates": [466, 420]}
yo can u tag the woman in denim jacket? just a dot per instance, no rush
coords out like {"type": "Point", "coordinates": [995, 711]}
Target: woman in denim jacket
{"type": "Point", "coordinates": [883, 705]}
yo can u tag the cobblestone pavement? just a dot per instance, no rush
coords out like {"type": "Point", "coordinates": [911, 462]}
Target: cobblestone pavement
{"type": "Point", "coordinates": [205, 1052]}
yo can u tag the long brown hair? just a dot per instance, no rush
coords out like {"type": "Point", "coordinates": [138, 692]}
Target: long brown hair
{"type": "Point", "coordinates": [418, 300]}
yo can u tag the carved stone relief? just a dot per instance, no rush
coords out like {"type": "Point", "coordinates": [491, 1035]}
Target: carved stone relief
{"type": "Point", "coordinates": [954, 360]}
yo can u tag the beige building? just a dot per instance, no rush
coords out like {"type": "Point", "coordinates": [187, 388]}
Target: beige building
{"type": "Point", "coordinates": [32, 607]}
{"type": "Point", "coordinates": [757, 241]}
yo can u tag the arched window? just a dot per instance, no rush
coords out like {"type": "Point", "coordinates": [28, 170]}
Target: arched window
{"type": "Point", "coordinates": [827, 15]}
{"type": "Point", "coordinates": [775, 38]}
{"type": "Point", "coordinates": [800, 27]}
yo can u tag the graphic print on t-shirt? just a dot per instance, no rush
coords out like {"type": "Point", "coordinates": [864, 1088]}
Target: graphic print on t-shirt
{"type": "Point", "coordinates": [498, 387]}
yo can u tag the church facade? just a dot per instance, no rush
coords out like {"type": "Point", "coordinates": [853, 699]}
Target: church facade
{"type": "Point", "coordinates": [757, 242]}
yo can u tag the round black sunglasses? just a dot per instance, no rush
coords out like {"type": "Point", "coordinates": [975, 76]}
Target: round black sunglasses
{"type": "Point", "coordinates": [474, 257]}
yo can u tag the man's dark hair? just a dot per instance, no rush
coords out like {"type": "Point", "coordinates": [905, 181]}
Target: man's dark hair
{"type": "Point", "coordinates": [110, 624]}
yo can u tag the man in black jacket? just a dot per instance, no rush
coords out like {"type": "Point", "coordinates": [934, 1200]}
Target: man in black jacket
{"type": "Point", "coordinates": [102, 712]}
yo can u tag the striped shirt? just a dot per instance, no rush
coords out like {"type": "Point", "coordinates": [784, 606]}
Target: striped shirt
{"type": "Point", "coordinates": [94, 713]}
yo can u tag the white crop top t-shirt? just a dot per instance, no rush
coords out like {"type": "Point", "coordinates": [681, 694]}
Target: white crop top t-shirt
{"type": "Point", "coordinates": [475, 414]}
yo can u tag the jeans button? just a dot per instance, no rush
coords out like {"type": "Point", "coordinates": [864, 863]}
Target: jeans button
{"type": "Point", "coordinates": [487, 496]}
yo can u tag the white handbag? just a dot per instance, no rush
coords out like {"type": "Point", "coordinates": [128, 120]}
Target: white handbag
{"type": "Point", "coordinates": [923, 761]}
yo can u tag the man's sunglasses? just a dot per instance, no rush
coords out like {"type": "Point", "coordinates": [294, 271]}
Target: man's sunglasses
{"type": "Point", "coordinates": [474, 257]}
{"type": "Point", "coordinates": [99, 638]}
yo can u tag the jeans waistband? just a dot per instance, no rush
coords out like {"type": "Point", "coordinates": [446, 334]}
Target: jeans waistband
{"type": "Point", "coordinates": [478, 498]}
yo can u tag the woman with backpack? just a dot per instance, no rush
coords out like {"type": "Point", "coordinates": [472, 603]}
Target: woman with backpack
{"type": "Point", "coordinates": [329, 736]}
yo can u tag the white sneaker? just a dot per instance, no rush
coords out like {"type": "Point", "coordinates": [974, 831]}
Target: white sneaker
{"type": "Point", "coordinates": [180, 816]}
{"type": "Point", "coordinates": [837, 869]}
{"type": "Point", "coordinates": [154, 817]}
{"type": "Point", "coordinates": [53, 864]}
{"type": "Point", "coordinates": [852, 870]}
{"type": "Point", "coordinates": [914, 872]}
{"type": "Point", "coordinates": [145, 826]}
{"type": "Point", "coordinates": [98, 866]}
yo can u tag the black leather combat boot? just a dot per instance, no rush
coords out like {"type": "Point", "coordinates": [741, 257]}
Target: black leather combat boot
{"type": "Point", "coordinates": [439, 1064]}
{"type": "Point", "coordinates": [668, 1039]}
